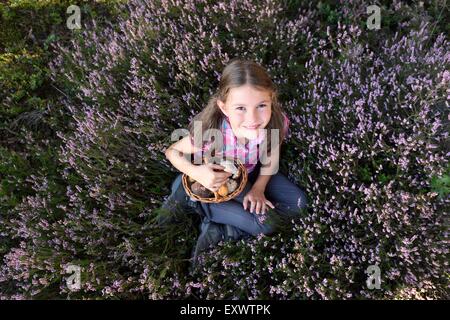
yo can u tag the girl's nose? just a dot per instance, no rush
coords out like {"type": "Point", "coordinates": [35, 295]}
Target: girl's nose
{"type": "Point", "coordinates": [252, 117]}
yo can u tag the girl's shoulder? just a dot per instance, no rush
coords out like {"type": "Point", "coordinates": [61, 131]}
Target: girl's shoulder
{"type": "Point", "coordinates": [285, 115]}
{"type": "Point", "coordinates": [286, 119]}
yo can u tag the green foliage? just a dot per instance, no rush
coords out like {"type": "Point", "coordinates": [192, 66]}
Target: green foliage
{"type": "Point", "coordinates": [13, 171]}
{"type": "Point", "coordinates": [441, 184]}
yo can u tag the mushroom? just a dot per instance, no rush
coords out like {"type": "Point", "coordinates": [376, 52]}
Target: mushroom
{"type": "Point", "coordinates": [231, 167]}
{"type": "Point", "coordinates": [231, 185]}
{"type": "Point", "coordinates": [223, 190]}
{"type": "Point", "coordinates": [200, 190]}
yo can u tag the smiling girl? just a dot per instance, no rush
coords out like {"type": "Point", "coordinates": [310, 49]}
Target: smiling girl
{"type": "Point", "coordinates": [246, 110]}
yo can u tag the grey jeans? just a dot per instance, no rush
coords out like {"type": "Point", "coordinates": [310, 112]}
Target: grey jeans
{"type": "Point", "coordinates": [287, 198]}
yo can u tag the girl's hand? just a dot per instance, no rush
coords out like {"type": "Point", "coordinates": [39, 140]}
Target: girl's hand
{"type": "Point", "coordinates": [257, 200]}
{"type": "Point", "coordinates": [211, 176]}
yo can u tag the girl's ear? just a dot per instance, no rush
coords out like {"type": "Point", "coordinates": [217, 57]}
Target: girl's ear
{"type": "Point", "coordinates": [222, 107]}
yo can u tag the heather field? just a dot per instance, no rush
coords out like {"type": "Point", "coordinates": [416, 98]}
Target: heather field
{"type": "Point", "coordinates": [86, 115]}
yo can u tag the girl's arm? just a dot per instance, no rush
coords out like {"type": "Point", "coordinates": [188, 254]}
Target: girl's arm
{"type": "Point", "coordinates": [177, 152]}
{"type": "Point", "coordinates": [272, 167]}
{"type": "Point", "coordinates": [261, 182]}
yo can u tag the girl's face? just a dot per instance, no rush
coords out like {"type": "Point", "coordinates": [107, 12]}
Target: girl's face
{"type": "Point", "coordinates": [248, 110]}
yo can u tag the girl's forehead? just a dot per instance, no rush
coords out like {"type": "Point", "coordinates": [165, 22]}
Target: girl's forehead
{"type": "Point", "coordinates": [247, 94]}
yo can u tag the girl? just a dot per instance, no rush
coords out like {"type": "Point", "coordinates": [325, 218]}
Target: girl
{"type": "Point", "coordinates": [244, 104]}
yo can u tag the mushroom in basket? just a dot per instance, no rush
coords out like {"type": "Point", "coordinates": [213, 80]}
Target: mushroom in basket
{"type": "Point", "coordinates": [201, 191]}
{"type": "Point", "coordinates": [228, 187]}
{"type": "Point", "coordinates": [231, 184]}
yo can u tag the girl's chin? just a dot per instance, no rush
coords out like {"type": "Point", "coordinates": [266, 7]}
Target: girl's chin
{"type": "Point", "coordinates": [251, 133]}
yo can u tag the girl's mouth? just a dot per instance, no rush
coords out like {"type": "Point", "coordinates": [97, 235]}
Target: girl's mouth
{"type": "Point", "coordinates": [252, 127]}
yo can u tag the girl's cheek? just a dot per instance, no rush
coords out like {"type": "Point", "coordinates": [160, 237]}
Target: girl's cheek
{"type": "Point", "coordinates": [237, 118]}
{"type": "Point", "coordinates": [267, 115]}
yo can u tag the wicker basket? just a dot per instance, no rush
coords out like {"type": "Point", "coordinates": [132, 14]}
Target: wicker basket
{"type": "Point", "coordinates": [242, 181]}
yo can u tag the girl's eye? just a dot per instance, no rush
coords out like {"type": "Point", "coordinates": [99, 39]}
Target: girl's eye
{"type": "Point", "coordinates": [243, 108]}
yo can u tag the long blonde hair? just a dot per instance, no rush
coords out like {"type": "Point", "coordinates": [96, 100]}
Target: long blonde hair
{"type": "Point", "coordinates": [237, 73]}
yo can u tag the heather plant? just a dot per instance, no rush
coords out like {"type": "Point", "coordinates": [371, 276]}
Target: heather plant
{"type": "Point", "coordinates": [368, 142]}
{"type": "Point", "coordinates": [372, 135]}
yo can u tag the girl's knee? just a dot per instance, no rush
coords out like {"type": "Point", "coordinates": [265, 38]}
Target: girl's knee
{"type": "Point", "coordinates": [296, 203]}
{"type": "Point", "coordinates": [265, 229]}
{"type": "Point", "coordinates": [302, 201]}
{"type": "Point", "coordinates": [260, 227]}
